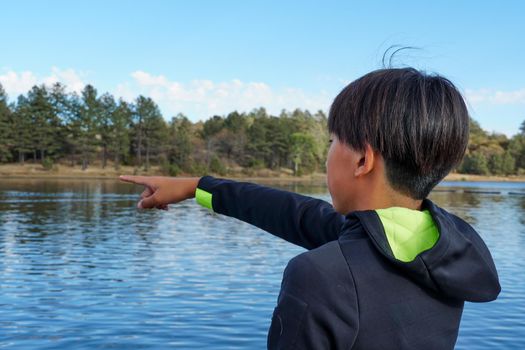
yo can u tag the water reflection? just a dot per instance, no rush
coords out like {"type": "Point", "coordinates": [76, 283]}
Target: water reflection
{"type": "Point", "coordinates": [81, 268]}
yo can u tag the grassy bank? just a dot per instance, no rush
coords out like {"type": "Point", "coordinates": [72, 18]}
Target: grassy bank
{"type": "Point", "coordinates": [483, 178]}
{"type": "Point", "coordinates": [109, 172]}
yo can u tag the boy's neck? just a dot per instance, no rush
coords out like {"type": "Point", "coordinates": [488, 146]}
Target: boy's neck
{"type": "Point", "coordinates": [382, 197]}
{"type": "Point", "coordinates": [401, 201]}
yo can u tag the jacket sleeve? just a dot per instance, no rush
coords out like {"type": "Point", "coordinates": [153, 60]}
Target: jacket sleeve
{"type": "Point", "coordinates": [317, 306]}
{"type": "Point", "coordinates": [302, 220]}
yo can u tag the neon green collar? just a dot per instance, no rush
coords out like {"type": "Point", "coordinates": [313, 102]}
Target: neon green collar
{"type": "Point", "coordinates": [409, 232]}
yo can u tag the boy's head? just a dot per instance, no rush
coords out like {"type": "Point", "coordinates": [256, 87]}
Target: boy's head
{"type": "Point", "coordinates": [418, 124]}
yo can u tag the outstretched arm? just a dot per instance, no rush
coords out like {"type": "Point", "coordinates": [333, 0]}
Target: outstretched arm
{"type": "Point", "coordinates": [302, 220]}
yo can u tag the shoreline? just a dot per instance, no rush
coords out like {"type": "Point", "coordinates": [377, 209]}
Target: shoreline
{"type": "Point", "coordinates": [62, 172]}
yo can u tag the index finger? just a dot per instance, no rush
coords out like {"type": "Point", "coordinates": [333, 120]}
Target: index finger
{"type": "Point", "coordinates": [140, 180]}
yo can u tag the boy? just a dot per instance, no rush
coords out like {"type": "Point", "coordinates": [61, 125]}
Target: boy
{"type": "Point", "coordinates": [386, 267]}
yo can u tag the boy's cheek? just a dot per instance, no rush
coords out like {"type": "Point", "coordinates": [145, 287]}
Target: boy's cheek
{"type": "Point", "coordinates": [334, 190]}
{"type": "Point", "coordinates": [341, 187]}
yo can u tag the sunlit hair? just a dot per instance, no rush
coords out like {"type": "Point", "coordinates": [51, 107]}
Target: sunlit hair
{"type": "Point", "coordinates": [418, 122]}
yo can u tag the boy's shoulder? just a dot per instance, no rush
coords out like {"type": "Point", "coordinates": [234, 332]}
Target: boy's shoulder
{"type": "Point", "coordinates": [322, 272]}
{"type": "Point", "coordinates": [322, 260]}
{"type": "Point", "coordinates": [327, 264]}
{"type": "Point", "coordinates": [317, 306]}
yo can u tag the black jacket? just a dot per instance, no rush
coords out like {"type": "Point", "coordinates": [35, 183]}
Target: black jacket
{"type": "Point", "coordinates": [349, 291]}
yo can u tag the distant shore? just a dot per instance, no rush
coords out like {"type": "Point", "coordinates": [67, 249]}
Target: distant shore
{"type": "Point", "coordinates": [30, 170]}
{"type": "Point", "coordinates": [484, 178]}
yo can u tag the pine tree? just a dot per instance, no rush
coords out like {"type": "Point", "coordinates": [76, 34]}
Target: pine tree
{"type": "Point", "coordinates": [5, 127]}
{"type": "Point", "coordinates": [517, 150]}
{"type": "Point", "coordinates": [88, 110]}
{"type": "Point", "coordinates": [104, 123]}
{"type": "Point", "coordinates": [59, 100]}
{"type": "Point", "coordinates": [119, 137]}
{"type": "Point", "coordinates": [151, 129]}
{"type": "Point", "coordinates": [237, 125]}
{"type": "Point", "coordinates": [138, 130]}
{"type": "Point", "coordinates": [180, 147]}
{"type": "Point", "coordinates": [45, 123]}
{"type": "Point", "coordinates": [22, 126]}
{"type": "Point", "coordinates": [73, 128]}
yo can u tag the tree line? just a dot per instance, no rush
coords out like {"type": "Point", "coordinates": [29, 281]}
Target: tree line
{"type": "Point", "coordinates": [50, 126]}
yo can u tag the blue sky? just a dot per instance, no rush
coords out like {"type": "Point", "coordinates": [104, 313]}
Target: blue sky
{"type": "Point", "coordinates": [211, 57]}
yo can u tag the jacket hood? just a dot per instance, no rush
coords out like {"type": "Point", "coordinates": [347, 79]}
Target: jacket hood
{"type": "Point", "coordinates": [437, 249]}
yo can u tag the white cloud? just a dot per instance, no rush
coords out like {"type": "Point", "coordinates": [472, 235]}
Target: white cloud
{"type": "Point", "coordinates": [69, 77]}
{"type": "Point", "coordinates": [200, 99]}
{"type": "Point", "coordinates": [495, 96]}
{"type": "Point", "coordinates": [16, 83]}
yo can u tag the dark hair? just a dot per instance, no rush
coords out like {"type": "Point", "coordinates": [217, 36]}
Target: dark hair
{"type": "Point", "coordinates": [418, 122]}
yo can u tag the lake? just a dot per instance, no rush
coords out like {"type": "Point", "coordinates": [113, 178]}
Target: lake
{"type": "Point", "coordinates": [81, 268]}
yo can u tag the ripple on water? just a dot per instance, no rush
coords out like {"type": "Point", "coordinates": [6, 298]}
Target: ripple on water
{"type": "Point", "coordinates": [81, 268]}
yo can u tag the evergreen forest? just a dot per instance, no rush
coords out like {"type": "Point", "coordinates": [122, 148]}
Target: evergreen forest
{"type": "Point", "coordinates": [51, 126]}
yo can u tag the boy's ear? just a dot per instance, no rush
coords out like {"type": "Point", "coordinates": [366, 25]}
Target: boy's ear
{"type": "Point", "coordinates": [366, 161]}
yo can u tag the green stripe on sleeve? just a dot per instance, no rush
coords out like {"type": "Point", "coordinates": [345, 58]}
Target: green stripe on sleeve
{"type": "Point", "coordinates": [203, 198]}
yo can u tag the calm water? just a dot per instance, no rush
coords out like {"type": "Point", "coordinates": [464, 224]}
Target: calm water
{"type": "Point", "coordinates": [81, 268]}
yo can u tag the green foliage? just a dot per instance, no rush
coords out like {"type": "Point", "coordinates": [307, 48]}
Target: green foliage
{"type": "Point", "coordinates": [45, 123]}
{"type": "Point", "coordinates": [493, 153]}
{"type": "Point", "coordinates": [48, 124]}
{"type": "Point", "coordinates": [170, 169]}
{"type": "Point", "coordinates": [21, 126]}
{"type": "Point", "coordinates": [180, 147]}
{"type": "Point", "coordinates": [501, 164]}
{"type": "Point", "coordinates": [47, 163]}
{"type": "Point", "coordinates": [254, 163]}
{"type": "Point", "coordinates": [217, 167]}
{"type": "Point", "coordinates": [517, 150]}
{"type": "Point", "coordinates": [475, 163]}
{"type": "Point", "coordinates": [198, 169]}
{"type": "Point", "coordinates": [509, 164]}
{"type": "Point", "coordinates": [85, 124]}
{"type": "Point", "coordinates": [119, 133]}
{"type": "Point", "coordinates": [495, 164]}
{"type": "Point", "coordinates": [151, 130]}
{"type": "Point", "coordinates": [104, 124]}
{"type": "Point", "coordinates": [303, 146]}
{"type": "Point", "coordinates": [212, 126]}
{"type": "Point", "coordinates": [5, 123]}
